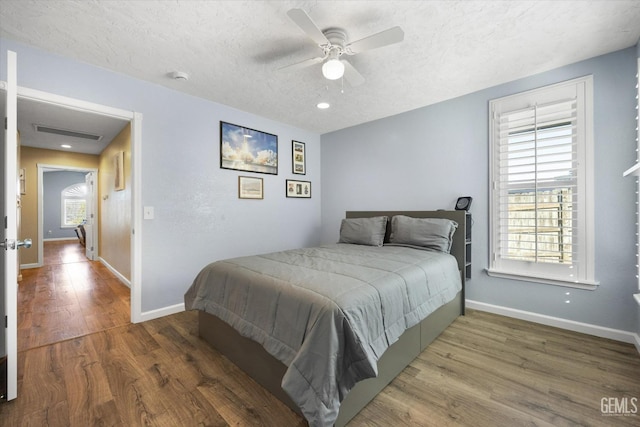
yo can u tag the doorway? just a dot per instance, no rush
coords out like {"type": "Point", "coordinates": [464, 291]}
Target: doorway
{"type": "Point", "coordinates": [78, 110]}
{"type": "Point", "coordinates": [50, 220]}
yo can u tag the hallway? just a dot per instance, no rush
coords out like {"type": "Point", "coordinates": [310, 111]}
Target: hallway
{"type": "Point", "coordinates": [68, 297]}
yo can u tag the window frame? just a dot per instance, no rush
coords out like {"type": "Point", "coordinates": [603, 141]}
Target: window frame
{"type": "Point", "coordinates": [64, 196]}
{"type": "Point", "coordinates": [581, 273]}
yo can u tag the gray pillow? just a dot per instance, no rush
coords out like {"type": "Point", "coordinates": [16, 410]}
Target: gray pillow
{"type": "Point", "coordinates": [363, 231]}
{"type": "Point", "coordinates": [431, 233]}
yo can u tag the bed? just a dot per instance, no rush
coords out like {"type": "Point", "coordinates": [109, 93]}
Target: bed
{"type": "Point", "coordinates": [333, 325]}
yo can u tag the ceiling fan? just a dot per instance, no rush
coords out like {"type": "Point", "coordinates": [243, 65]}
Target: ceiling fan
{"type": "Point", "coordinates": [333, 42]}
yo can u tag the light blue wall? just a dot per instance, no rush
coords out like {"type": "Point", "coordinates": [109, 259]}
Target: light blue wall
{"type": "Point", "coordinates": [423, 159]}
{"type": "Point", "coordinates": [52, 184]}
{"type": "Point", "coordinates": [198, 216]}
{"type": "Point", "coordinates": [426, 158]}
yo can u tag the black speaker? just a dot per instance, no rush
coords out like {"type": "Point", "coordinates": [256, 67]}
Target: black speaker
{"type": "Point", "coordinates": [463, 203]}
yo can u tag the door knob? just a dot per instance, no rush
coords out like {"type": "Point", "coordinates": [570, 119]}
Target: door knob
{"type": "Point", "coordinates": [15, 244]}
{"type": "Point", "coordinates": [26, 243]}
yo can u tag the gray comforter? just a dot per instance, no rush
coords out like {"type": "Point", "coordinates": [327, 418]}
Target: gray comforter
{"type": "Point", "coordinates": [328, 313]}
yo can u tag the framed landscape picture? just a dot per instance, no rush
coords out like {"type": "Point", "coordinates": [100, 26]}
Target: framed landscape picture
{"type": "Point", "coordinates": [298, 189]}
{"type": "Point", "coordinates": [249, 150]}
{"type": "Point", "coordinates": [298, 158]}
{"type": "Point", "coordinates": [250, 187]}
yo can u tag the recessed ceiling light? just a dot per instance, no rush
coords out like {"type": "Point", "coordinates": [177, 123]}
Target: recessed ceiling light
{"type": "Point", "coordinates": [323, 105]}
{"type": "Point", "coordinates": [65, 146]}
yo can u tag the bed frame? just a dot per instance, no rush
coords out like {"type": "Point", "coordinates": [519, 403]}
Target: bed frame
{"type": "Point", "coordinates": [265, 369]}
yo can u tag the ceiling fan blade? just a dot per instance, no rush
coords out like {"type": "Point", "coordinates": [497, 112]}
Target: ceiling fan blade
{"type": "Point", "coordinates": [351, 74]}
{"type": "Point", "coordinates": [302, 64]}
{"type": "Point", "coordinates": [305, 23]}
{"type": "Point", "coordinates": [383, 38]}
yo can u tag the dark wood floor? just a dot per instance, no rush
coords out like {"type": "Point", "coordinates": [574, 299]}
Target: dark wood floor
{"type": "Point", "coordinates": [68, 297]}
{"type": "Point", "coordinates": [484, 370]}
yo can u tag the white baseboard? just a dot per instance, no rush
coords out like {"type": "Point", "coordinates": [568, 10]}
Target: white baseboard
{"type": "Point", "coordinates": [115, 272]}
{"type": "Point", "coordinates": [60, 239]}
{"type": "Point", "coordinates": [25, 266]}
{"type": "Point", "coordinates": [571, 325]}
{"type": "Point", "coordinates": [161, 312]}
{"type": "Point", "coordinates": [147, 315]}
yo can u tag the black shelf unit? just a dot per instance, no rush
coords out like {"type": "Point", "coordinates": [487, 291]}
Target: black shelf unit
{"type": "Point", "coordinates": [467, 246]}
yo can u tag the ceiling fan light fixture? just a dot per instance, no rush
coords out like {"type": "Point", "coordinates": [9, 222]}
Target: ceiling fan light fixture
{"type": "Point", "coordinates": [333, 69]}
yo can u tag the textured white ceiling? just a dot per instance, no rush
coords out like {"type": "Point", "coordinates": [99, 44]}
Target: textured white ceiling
{"type": "Point", "coordinates": [232, 49]}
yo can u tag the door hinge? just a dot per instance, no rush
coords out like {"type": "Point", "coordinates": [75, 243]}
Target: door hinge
{"type": "Point", "coordinates": [6, 123]}
{"type": "Point", "coordinates": [6, 322]}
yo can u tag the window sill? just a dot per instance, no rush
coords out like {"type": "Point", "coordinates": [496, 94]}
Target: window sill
{"type": "Point", "coordinates": [590, 286]}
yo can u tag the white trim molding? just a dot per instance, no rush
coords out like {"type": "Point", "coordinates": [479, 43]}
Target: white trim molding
{"type": "Point", "coordinates": [41, 169]}
{"type": "Point", "coordinates": [61, 239]}
{"type": "Point", "coordinates": [115, 272]}
{"type": "Point", "coordinates": [136, 218]}
{"type": "Point", "coordinates": [32, 265]}
{"type": "Point", "coordinates": [161, 312]}
{"type": "Point", "coordinates": [579, 284]}
{"type": "Point", "coordinates": [570, 325]}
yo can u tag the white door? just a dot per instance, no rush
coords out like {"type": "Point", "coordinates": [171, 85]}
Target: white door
{"type": "Point", "coordinates": [10, 241]}
{"type": "Point", "coordinates": [89, 225]}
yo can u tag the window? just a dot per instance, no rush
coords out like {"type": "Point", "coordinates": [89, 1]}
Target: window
{"type": "Point", "coordinates": [74, 205]}
{"type": "Point", "coordinates": [541, 215]}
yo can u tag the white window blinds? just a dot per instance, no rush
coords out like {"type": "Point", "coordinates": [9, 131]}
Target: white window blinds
{"type": "Point", "coordinates": [538, 181]}
{"type": "Point", "coordinates": [539, 207]}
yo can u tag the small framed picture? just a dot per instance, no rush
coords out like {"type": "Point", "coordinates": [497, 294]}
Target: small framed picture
{"type": "Point", "coordinates": [298, 158]}
{"type": "Point", "coordinates": [298, 189]}
{"type": "Point", "coordinates": [250, 187]}
{"type": "Point", "coordinates": [118, 161]}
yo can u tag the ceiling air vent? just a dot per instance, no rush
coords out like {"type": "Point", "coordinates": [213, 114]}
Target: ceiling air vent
{"type": "Point", "coordinates": [65, 132]}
